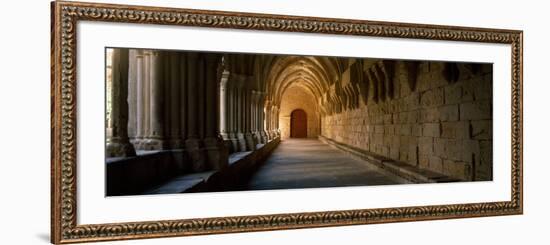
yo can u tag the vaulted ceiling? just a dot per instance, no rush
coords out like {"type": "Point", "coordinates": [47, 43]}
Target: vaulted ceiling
{"type": "Point", "coordinates": [336, 83]}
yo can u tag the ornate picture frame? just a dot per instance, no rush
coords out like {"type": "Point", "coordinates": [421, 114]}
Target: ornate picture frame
{"type": "Point", "coordinates": [64, 188]}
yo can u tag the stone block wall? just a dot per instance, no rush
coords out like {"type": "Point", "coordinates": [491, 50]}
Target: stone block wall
{"type": "Point", "coordinates": [296, 97]}
{"type": "Point", "coordinates": [442, 121]}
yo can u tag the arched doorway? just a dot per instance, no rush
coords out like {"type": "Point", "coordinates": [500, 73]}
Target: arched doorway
{"type": "Point", "coordinates": [298, 124]}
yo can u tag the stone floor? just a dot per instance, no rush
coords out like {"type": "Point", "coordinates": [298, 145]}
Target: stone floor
{"type": "Point", "coordinates": [309, 163]}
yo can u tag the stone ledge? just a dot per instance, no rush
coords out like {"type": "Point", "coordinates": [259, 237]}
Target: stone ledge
{"type": "Point", "coordinates": [240, 165]}
{"type": "Point", "coordinates": [182, 183]}
{"type": "Point", "coordinates": [133, 175]}
{"type": "Point", "coordinates": [400, 169]}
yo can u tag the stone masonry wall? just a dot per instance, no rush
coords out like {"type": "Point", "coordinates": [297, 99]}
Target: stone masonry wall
{"type": "Point", "coordinates": [441, 125]}
{"type": "Point", "coordinates": [296, 97]}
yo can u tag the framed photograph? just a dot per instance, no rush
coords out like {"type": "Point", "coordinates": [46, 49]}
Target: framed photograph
{"type": "Point", "coordinates": [175, 122]}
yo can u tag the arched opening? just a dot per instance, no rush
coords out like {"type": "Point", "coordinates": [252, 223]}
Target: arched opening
{"type": "Point", "coordinates": [298, 124]}
{"type": "Point", "coordinates": [296, 97]}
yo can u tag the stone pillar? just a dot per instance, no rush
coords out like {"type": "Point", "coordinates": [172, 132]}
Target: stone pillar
{"type": "Point", "coordinates": [158, 90]}
{"type": "Point", "coordinates": [249, 136]}
{"type": "Point", "coordinates": [232, 116]}
{"type": "Point", "coordinates": [252, 105]}
{"type": "Point", "coordinates": [167, 98]}
{"type": "Point", "coordinates": [277, 129]}
{"type": "Point", "coordinates": [256, 116]}
{"type": "Point", "coordinates": [240, 119]}
{"type": "Point", "coordinates": [192, 143]}
{"type": "Point", "coordinates": [269, 111]}
{"type": "Point", "coordinates": [140, 100]}
{"type": "Point", "coordinates": [118, 143]}
{"type": "Point", "coordinates": [267, 123]}
{"type": "Point", "coordinates": [146, 98]}
{"type": "Point", "coordinates": [261, 124]}
{"type": "Point", "coordinates": [274, 121]}
{"type": "Point", "coordinates": [225, 110]}
{"type": "Point", "coordinates": [135, 97]}
{"type": "Point", "coordinates": [217, 154]}
{"type": "Point", "coordinates": [173, 106]}
{"type": "Point", "coordinates": [132, 94]}
{"type": "Point", "coordinates": [201, 100]}
{"type": "Point", "coordinates": [156, 139]}
{"type": "Point", "coordinates": [182, 109]}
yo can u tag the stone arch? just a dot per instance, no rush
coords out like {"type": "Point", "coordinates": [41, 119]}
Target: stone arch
{"type": "Point", "coordinates": [315, 73]}
{"type": "Point", "coordinates": [295, 97]}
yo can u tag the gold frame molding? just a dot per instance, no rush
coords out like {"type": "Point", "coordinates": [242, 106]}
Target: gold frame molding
{"type": "Point", "coordinates": [65, 15]}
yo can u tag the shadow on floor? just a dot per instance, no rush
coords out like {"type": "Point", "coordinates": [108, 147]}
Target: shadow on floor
{"type": "Point", "coordinates": [309, 163]}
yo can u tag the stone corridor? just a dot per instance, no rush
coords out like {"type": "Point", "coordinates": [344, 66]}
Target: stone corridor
{"type": "Point", "coordinates": [309, 163]}
{"type": "Point", "coordinates": [198, 121]}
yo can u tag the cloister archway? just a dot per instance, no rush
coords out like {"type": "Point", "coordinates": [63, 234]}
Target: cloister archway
{"type": "Point", "coordinates": [198, 113]}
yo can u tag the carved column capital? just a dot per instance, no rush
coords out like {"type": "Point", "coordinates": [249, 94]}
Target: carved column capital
{"type": "Point", "coordinates": [224, 81]}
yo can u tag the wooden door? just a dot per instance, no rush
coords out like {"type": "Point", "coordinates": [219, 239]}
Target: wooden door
{"type": "Point", "coordinates": [298, 124]}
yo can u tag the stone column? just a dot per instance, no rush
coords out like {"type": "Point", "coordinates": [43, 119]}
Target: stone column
{"type": "Point", "coordinates": [270, 112]}
{"type": "Point", "coordinates": [261, 124]}
{"type": "Point", "coordinates": [231, 116]}
{"type": "Point", "coordinates": [167, 98]}
{"type": "Point", "coordinates": [132, 94]}
{"type": "Point", "coordinates": [183, 80]}
{"type": "Point", "coordinates": [201, 100]}
{"type": "Point", "coordinates": [255, 116]}
{"type": "Point", "coordinates": [267, 121]}
{"type": "Point", "coordinates": [118, 143]}
{"type": "Point", "coordinates": [277, 129]}
{"type": "Point", "coordinates": [240, 119]}
{"type": "Point", "coordinates": [225, 109]}
{"type": "Point", "coordinates": [217, 154]}
{"type": "Point", "coordinates": [192, 143]}
{"type": "Point", "coordinates": [175, 97]}
{"type": "Point", "coordinates": [140, 99]}
{"type": "Point", "coordinates": [249, 136]}
{"type": "Point", "coordinates": [146, 98]}
{"type": "Point", "coordinates": [156, 139]}
{"type": "Point", "coordinates": [252, 99]}
{"type": "Point", "coordinates": [274, 120]}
